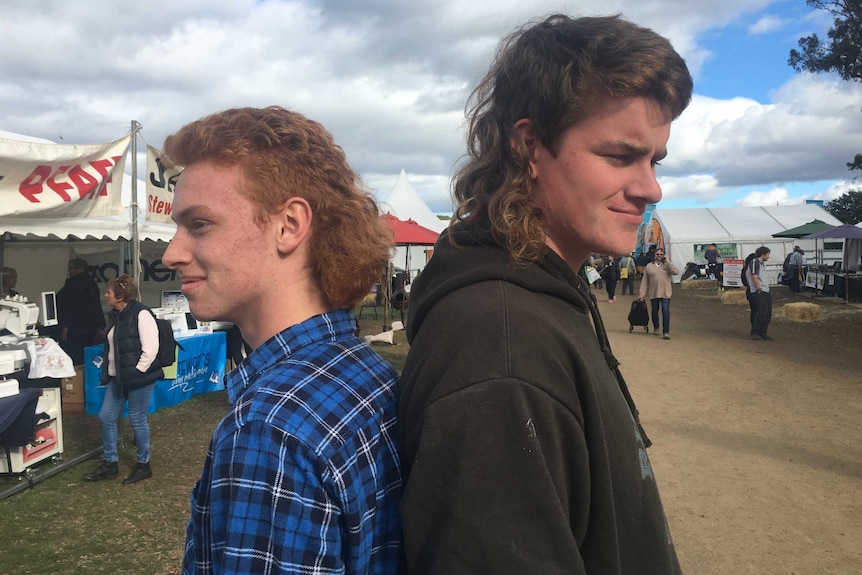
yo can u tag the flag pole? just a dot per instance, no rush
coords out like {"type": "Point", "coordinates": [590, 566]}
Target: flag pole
{"type": "Point", "coordinates": [135, 255]}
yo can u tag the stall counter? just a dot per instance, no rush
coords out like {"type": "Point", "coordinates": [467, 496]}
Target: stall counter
{"type": "Point", "coordinates": [199, 368]}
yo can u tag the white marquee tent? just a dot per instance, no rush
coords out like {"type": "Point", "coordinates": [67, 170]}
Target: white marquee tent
{"type": "Point", "coordinates": [737, 231]}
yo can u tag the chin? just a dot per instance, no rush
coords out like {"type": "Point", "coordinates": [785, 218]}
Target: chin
{"type": "Point", "coordinates": [200, 314]}
{"type": "Point", "coordinates": [618, 248]}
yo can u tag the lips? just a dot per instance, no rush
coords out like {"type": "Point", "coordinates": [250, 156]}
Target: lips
{"type": "Point", "coordinates": [632, 216]}
{"type": "Point", "coordinates": [189, 283]}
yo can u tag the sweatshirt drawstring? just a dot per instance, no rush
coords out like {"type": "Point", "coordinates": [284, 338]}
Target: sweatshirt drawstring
{"type": "Point", "coordinates": [612, 361]}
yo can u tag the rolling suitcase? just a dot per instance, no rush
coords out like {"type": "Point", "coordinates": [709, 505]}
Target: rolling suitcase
{"type": "Point", "coordinates": [639, 316]}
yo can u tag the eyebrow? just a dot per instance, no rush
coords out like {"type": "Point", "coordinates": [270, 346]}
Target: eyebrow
{"type": "Point", "coordinates": [188, 213]}
{"type": "Point", "coordinates": [636, 150]}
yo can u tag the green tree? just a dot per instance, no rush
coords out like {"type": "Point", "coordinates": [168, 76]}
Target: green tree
{"type": "Point", "coordinates": [847, 207]}
{"type": "Point", "coordinates": [841, 53]}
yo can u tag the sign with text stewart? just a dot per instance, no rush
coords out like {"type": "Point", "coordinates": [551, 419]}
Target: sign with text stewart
{"type": "Point", "coordinates": [161, 182]}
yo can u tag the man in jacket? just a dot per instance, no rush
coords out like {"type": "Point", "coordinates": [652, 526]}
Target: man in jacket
{"type": "Point", "coordinates": [520, 442]}
{"type": "Point", "coordinates": [657, 286]}
{"type": "Point", "coordinates": [79, 309]}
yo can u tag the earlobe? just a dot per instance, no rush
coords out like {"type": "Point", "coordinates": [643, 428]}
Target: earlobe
{"type": "Point", "coordinates": [294, 224]}
{"type": "Point", "coordinates": [524, 140]}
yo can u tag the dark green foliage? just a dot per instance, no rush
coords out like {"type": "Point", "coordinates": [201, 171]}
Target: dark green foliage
{"type": "Point", "coordinates": [847, 208]}
{"type": "Point", "coordinates": [841, 53]}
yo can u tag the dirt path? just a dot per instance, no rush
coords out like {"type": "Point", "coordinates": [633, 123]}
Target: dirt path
{"type": "Point", "coordinates": [760, 472]}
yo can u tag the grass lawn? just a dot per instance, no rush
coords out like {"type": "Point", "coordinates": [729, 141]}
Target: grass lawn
{"type": "Point", "coordinates": [65, 525]}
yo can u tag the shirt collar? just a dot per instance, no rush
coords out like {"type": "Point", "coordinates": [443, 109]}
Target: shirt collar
{"type": "Point", "coordinates": [331, 326]}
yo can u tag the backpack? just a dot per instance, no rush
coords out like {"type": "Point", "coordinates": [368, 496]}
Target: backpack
{"type": "Point", "coordinates": [744, 277]}
{"type": "Point", "coordinates": [167, 343]}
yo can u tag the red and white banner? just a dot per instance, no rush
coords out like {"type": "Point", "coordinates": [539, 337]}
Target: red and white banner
{"type": "Point", "coordinates": [160, 187]}
{"type": "Point", "coordinates": [58, 181]}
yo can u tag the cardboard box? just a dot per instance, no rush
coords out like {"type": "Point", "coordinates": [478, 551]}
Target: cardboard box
{"type": "Point", "coordinates": [72, 391]}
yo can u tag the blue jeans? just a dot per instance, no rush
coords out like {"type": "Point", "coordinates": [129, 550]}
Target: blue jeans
{"type": "Point", "coordinates": [112, 407]}
{"type": "Point", "coordinates": [665, 313]}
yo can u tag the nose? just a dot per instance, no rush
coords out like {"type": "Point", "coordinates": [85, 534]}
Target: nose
{"type": "Point", "coordinates": [645, 185]}
{"type": "Point", "coordinates": [175, 254]}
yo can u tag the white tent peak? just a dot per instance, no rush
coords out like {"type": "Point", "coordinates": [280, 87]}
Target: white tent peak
{"type": "Point", "coordinates": [23, 138]}
{"type": "Point", "coordinates": [404, 202]}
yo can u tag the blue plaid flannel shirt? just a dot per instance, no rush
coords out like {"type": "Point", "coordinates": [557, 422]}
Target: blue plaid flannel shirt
{"type": "Point", "coordinates": [302, 475]}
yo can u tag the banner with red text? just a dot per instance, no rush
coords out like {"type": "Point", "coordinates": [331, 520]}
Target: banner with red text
{"type": "Point", "coordinates": [160, 187]}
{"type": "Point", "coordinates": [60, 181]}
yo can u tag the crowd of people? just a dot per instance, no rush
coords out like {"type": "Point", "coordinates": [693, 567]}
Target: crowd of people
{"type": "Point", "coordinates": [655, 271]}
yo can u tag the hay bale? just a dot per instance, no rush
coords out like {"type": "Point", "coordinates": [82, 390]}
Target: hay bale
{"type": "Point", "coordinates": [802, 311]}
{"type": "Point", "coordinates": [734, 297]}
{"type": "Point", "coordinates": [698, 284]}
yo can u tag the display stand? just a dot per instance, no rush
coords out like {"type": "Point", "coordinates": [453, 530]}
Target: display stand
{"type": "Point", "coordinates": [199, 368]}
{"type": "Point", "coordinates": [47, 441]}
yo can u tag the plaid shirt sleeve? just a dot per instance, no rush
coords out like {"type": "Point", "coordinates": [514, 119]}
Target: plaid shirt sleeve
{"type": "Point", "coordinates": [302, 475]}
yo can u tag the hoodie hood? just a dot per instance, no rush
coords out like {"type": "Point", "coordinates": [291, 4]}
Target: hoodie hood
{"type": "Point", "coordinates": [477, 257]}
{"type": "Point", "coordinates": [454, 267]}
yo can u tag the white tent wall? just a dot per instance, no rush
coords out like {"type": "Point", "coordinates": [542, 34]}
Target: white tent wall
{"type": "Point", "coordinates": [413, 257]}
{"type": "Point", "coordinates": [42, 264]}
{"type": "Point", "coordinates": [747, 228]}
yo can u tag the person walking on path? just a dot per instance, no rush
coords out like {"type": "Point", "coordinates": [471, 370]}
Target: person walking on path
{"type": "Point", "coordinates": [760, 298]}
{"type": "Point", "coordinates": [628, 271]}
{"type": "Point", "coordinates": [611, 274]}
{"type": "Point", "coordinates": [657, 286]}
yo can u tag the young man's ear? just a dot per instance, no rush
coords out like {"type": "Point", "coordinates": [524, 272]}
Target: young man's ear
{"type": "Point", "coordinates": [524, 137]}
{"type": "Point", "coordinates": [294, 224]}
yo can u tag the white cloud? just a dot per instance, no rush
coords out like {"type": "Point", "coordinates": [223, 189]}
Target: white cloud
{"type": "Point", "coordinates": [767, 24]}
{"type": "Point", "coordinates": [388, 78]}
{"type": "Point", "coordinates": [773, 197]}
{"type": "Point", "coordinates": [808, 132]}
{"type": "Point", "coordinates": [836, 190]}
{"type": "Point", "coordinates": [701, 188]}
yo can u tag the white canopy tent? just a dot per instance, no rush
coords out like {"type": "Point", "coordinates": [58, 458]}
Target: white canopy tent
{"type": "Point", "coordinates": [737, 231]}
{"type": "Point", "coordinates": [404, 202]}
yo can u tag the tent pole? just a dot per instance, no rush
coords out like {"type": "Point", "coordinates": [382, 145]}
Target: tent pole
{"type": "Point", "coordinates": [386, 286]}
{"type": "Point", "coordinates": [135, 256]}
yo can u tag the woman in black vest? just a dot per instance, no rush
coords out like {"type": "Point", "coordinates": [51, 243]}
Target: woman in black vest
{"type": "Point", "coordinates": [129, 372]}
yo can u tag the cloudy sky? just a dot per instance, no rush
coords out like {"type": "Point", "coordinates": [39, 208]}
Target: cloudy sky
{"type": "Point", "coordinates": [390, 79]}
